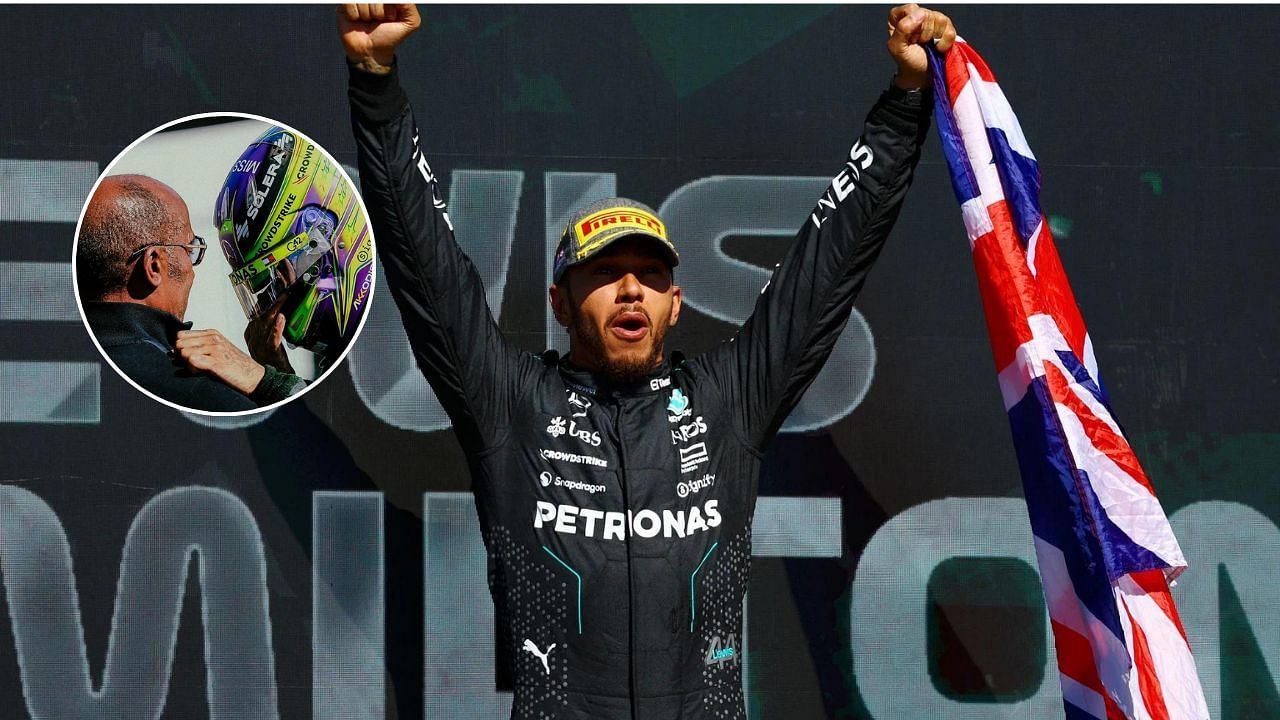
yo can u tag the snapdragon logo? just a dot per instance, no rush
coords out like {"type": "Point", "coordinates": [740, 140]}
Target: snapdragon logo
{"type": "Point", "coordinates": [547, 479]}
{"type": "Point", "coordinates": [610, 525]}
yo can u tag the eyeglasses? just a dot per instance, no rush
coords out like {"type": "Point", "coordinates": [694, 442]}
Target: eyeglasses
{"type": "Point", "coordinates": [195, 248]}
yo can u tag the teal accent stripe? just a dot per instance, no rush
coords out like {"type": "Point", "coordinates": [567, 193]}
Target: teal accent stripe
{"type": "Point", "coordinates": [693, 593]}
{"type": "Point", "coordinates": [575, 574]}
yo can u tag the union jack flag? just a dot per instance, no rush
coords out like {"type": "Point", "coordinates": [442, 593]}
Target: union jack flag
{"type": "Point", "coordinates": [1103, 543]}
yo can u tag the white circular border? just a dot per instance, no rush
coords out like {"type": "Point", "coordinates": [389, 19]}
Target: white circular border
{"type": "Point", "coordinates": [75, 249]}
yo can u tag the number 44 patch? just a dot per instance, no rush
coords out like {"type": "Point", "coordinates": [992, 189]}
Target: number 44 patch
{"type": "Point", "coordinates": [721, 651]}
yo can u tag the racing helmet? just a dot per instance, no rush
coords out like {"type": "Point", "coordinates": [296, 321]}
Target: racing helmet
{"type": "Point", "coordinates": [291, 228]}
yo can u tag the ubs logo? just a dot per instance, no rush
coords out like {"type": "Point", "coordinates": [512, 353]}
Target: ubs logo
{"type": "Point", "coordinates": [558, 428]}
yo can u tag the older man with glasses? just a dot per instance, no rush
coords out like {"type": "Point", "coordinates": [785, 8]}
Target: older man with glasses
{"type": "Point", "coordinates": [135, 264]}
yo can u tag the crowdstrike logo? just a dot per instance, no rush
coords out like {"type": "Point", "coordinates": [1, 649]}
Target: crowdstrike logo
{"type": "Point", "coordinates": [572, 458]}
{"type": "Point", "coordinates": [589, 522]}
{"type": "Point", "coordinates": [285, 211]}
{"type": "Point", "coordinates": [686, 488]}
{"type": "Point", "coordinates": [305, 165]}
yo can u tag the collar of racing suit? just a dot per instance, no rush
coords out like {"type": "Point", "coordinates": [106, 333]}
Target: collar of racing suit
{"type": "Point", "coordinates": [122, 323]}
{"type": "Point", "coordinates": [584, 381]}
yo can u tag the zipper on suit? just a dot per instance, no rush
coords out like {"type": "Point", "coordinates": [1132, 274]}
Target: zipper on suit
{"type": "Point", "coordinates": [631, 603]}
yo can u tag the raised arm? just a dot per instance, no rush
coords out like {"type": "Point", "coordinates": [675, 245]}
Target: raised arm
{"type": "Point", "coordinates": [441, 298]}
{"type": "Point", "coordinates": [806, 304]}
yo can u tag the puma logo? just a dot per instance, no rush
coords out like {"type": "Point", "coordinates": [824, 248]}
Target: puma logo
{"type": "Point", "coordinates": [528, 645]}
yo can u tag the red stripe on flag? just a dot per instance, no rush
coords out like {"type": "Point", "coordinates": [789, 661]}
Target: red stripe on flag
{"type": "Point", "coordinates": [1099, 433]}
{"type": "Point", "coordinates": [972, 56]}
{"type": "Point", "coordinates": [1148, 681]}
{"type": "Point", "coordinates": [1075, 660]}
{"type": "Point", "coordinates": [1075, 657]}
{"type": "Point", "coordinates": [1055, 292]}
{"type": "Point", "coordinates": [1009, 293]}
{"type": "Point", "coordinates": [1153, 582]}
{"type": "Point", "coordinates": [957, 72]}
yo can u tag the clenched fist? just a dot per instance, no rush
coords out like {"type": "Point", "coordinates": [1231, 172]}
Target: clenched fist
{"type": "Point", "coordinates": [910, 28]}
{"type": "Point", "coordinates": [371, 33]}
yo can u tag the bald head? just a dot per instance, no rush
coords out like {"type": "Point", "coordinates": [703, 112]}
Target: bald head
{"type": "Point", "coordinates": [126, 212]}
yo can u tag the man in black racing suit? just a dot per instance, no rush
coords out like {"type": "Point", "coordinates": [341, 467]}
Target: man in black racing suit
{"type": "Point", "coordinates": [616, 486]}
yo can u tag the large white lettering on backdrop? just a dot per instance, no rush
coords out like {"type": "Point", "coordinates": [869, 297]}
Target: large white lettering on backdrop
{"type": "Point", "coordinates": [888, 615]}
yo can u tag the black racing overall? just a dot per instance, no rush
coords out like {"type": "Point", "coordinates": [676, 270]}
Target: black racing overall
{"type": "Point", "coordinates": [618, 519]}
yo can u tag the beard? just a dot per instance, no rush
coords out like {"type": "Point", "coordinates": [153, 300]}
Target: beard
{"type": "Point", "coordinates": [628, 369]}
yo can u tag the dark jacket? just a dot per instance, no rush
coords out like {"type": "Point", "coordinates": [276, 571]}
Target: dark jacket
{"type": "Point", "coordinates": [139, 340]}
{"type": "Point", "coordinates": [617, 520]}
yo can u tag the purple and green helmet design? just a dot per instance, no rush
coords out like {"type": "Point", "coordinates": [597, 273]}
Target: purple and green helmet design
{"type": "Point", "coordinates": [294, 233]}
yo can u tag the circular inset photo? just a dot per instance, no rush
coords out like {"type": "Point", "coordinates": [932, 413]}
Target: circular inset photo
{"type": "Point", "coordinates": [224, 264]}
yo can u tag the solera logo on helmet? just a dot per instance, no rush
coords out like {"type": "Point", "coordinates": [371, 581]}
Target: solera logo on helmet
{"type": "Point", "coordinates": [279, 152]}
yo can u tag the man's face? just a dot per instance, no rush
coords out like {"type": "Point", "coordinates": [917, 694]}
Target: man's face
{"type": "Point", "coordinates": [618, 306]}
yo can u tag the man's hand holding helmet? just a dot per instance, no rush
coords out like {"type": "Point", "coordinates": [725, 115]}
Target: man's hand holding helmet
{"type": "Point", "coordinates": [265, 337]}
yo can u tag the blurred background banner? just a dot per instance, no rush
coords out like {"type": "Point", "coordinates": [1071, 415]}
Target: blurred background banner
{"type": "Point", "coordinates": [323, 560]}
